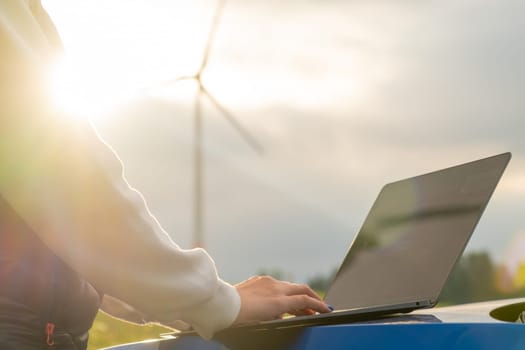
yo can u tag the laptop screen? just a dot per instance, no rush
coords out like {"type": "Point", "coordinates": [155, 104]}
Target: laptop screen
{"type": "Point", "coordinates": [413, 235]}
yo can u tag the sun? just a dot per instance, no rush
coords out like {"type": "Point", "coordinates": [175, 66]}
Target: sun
{"type": "Point", "coordinates": [86, 91]}
{"type": "Point", "coordinates": [124, 54]}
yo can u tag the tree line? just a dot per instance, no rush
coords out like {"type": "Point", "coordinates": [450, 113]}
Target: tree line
{"type": "Point", "coordinates": [474, 278]}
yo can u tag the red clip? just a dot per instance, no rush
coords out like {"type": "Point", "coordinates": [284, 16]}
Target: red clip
{"type": "Point", "coordinates": [50, 329]}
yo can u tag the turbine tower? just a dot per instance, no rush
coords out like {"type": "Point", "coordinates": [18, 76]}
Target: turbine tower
{"type": "Point", "coordinates": [198, 154]}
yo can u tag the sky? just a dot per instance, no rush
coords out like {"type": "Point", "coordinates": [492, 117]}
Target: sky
{"type": "Point", "coordinates": [343, 96]}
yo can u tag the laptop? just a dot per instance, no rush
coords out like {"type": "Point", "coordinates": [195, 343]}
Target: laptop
{"type": "Point", "coordinates": [407, 246]}
{"type": "Point", "coordinates": [412, 237]}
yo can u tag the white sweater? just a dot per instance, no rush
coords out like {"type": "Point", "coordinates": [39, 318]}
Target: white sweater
{"type": "Point", "coordinates": [68, 185]}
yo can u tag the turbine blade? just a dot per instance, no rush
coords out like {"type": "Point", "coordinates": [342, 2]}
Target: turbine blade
{"type": "Point", "coordinates": [211, 35]}
{"type": "Point", "coordinates": [235, 123]}
{"type": "Point", "coordinates": [175, 80]}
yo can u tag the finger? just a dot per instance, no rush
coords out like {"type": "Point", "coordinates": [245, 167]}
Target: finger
{"type": "Point", "coordinates": [306, 312]}
{"type": "Point", "coordinates": [298, 289]}
{"type": "Point", "coordinates": [304, 302]}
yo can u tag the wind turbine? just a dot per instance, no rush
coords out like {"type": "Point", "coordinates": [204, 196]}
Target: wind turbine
{"type": "Point", "coordinates": [198, 159]}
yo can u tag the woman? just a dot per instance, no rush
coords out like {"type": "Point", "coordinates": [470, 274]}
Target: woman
{"type": "Point", "coordinates": [72, 229]}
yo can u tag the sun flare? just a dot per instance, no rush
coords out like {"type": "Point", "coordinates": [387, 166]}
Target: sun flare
{"type": "Point", "coordinates": [86, 91]}
{"type": "Point", "coordinates": [123, 56]}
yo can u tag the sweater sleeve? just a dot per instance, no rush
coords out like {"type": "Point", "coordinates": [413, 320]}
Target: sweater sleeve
{"type": "Point", "coordinates": [69, 186]}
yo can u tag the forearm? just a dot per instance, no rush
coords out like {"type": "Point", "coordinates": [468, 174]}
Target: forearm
{"type": "Point", "coordinates": [69, 187]}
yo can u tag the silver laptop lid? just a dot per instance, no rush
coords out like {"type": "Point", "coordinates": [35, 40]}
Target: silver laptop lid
{"type": "Point", "coordinates": [414, 234]}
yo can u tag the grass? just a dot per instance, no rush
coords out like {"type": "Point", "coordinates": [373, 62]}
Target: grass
{"type": "Point", "coordinates": [109, 331]}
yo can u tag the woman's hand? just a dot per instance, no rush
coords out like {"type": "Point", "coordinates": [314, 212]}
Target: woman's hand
{"type": "Point", "coordinates": [264, 298]}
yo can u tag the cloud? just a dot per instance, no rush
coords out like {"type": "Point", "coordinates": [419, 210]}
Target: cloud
{"type": "Point", "coordinates": [392, 90]}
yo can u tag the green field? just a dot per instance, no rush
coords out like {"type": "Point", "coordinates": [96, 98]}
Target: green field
{"type": "Point", "coordinates": [108, 331]}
